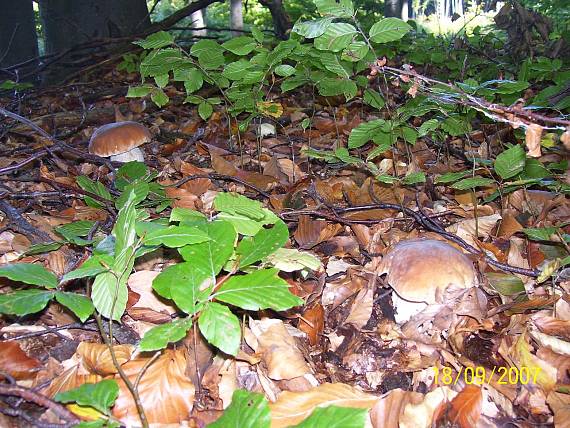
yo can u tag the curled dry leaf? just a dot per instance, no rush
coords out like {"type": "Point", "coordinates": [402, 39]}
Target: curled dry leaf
{"type": "Point", "coordinates": [292, 407]}
{"type": "Point", "coordinates": [418, 415]}
{"type": "Point", "coordinates": [15, 362]}
{"type": "Point", "coordinates": [471, 229]}
{"type": "Point", "coordinates": [464, 410]}
{"type": "Point", "coordinates": [388, 409]}
{"type": "Point", "coordinates": [313, 323]}
{"type": "Point", "coordinates": [532, 140]}
{"type": "Point", "coordinates": [278, 350]}
{"type": "Point", "coordinates": [560, 405]}
{"type": "Point", "coordinates": [361, 309]}
{"type": "Point", "coordinates": [97, 359]}
{"type": "Point", "coordinates": [166, 393]}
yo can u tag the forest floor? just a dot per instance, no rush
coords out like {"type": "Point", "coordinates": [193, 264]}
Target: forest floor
{"type": "Point", "coordinates": [494, 355]}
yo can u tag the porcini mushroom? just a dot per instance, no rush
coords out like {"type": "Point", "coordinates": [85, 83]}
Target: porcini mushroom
{"type": "Point", "coordinates": [120, 141]}
{"type": "Point", "coordinates": [419, 271]}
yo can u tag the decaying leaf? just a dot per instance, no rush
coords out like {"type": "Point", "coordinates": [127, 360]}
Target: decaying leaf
{"type": "Point", "coordinates": [292, 407]}
{"type": "Point", "coordinates": [166, 393]}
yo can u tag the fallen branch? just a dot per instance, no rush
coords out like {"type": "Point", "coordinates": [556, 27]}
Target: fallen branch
{"type": "Point", "coordinates": [33, 397]}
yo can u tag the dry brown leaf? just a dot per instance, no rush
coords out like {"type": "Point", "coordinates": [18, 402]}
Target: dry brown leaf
{"type": "Point", "coordinates": [560, 405]}
{"type": "Point", "coordinates": [166, 393]}
{"type": "Point", "coordinates": [182, 198]}
{"type": "Point", "coordinates": [292, 407]}
{"type": "Point", "coordinates": [532, 140]}
{"type": "Point", "coordinates": [312, 232]}
{"type": "Point", "coordinates": [278, 350]}
{"type": "Point", "coordinates": [141, 283]}
{"type": "Point", "coordinates": [97, 359]}
{"type": "Point", "coordinates": [361, 309]}
{"type": "Point", "coordinates": [418, 415]}
{"type": "Point", "coordinates": [471, 229]}
{"type": "Point", "coordinates": [313, 323]}
{"type": "Point", "coordinates": [15, 362]}
{"type": "Point", "coordinates": [198, 186]}
{"type": "Point", "coordinates": [222, 166]}
{"type": "Point", "coordinates": [464, 410]}
{"type": "Point", "coordinates": [386, 412]}
{"type": "Point", "coordinates": [69, 379]}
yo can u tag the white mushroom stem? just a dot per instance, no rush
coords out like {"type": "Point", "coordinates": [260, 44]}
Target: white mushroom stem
{"type": "Point", "coordinates": [405, 309]}
{"type": "Point", "coordinates": [135, 154]}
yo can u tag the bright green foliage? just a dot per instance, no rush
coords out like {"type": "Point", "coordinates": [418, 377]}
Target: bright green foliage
{"type": "Point", "coordinates": [335, 417]}
{"type": "Point", "coordinates": [101, 396]}
{"type": "Point", "coordinates": [29, 273]}
{"type": "Point", "coordinates": [193, 284]}
{"type": "Point", "coordinates": [247, 410]}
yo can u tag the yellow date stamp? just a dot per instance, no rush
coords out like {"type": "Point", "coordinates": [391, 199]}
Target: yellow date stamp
{"type": "Point", "coordinates": [481, 375]}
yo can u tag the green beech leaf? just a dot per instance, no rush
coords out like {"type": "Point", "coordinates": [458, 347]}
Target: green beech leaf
{"type": "Point", "coordinates": [313, 28]}
{"type": "Point", "coordinates": [156, 40]}
{"type": "Point", "coordinates": [354, 52]}
{"type": "Point", "coordinates": [78, 304]}
{"type": "Point", "coordinates": [184, 283]}
{"type": "Point", "coordinates": [138, 91]}
{"type": "Point", "coordinates": [29, 273]}
{"type": "Point", "coordinates": [212, 255]}
{"type": "Point", "coordinates": [427, 127]}
{"type": "Point", "coordinates": [365, 132]}
{"type": "Point", "coordinates": [109, 295]}
{"type": "Point", "coordinates": [284, 70]}
{"type": "Point", "coordinates": [175, 236]}
{"type": "Point", "coordinates": [388, 30]}
{"type": "Point", "coordinates": [337, 9]}
{"type": "Point", "coordinates": [241, 45]}
{"type": "Point", "coordinates": [540, 233]}
{"type": "Point", "coordinates": [242, 224]}
{"type": "Point", "coordinates": [220, 327]}
{"type": "Point", "coordinates": [262, 244]}
{"type": "Point", "coordinates": [505, 284]}
{"type": "Point", "coordinates": [233, 203]}
{"type": "Point", "coordinates": [24, 302]}
{"type": "Point", "coordinates": [94, 265]}
{"type": "Point", "coordinates": [247, 410]}
{"type": "Point", "coordinates": [335, 417]}
{"type": "Point", "coordinates": [414, 178]}
{"type": "Point", "coordinates": [101, 396]}
{"type": "Point", "coordinates": [511, 162]}
{"type": "Point", "coordinates": [374, 99]}
{"type": "Point", "coordinates": [261, 289]}
{"type": "Point", "coordinates": [236, 70]}
{"type": "Point", "coordinates": [472, 182]}
{"type": "Point", "coordinates": [205, 110]}
{"type": "Point", "coordinates": [336, 37]}
{"type": "Point", "coordinates": [160, 336]}
{"type": "Point", "coordinates": [290, 260]}
{"type": "Point", "coordinates": [186, 215]}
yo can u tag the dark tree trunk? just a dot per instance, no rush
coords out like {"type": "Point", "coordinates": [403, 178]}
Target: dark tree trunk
{"type": "Point", "coordinates": [129, 16]}
{"type": "Point", "coordinates": [236, 17]}
{"type": "Point", "coordinates": [67, 23]}
{"type": "Point", "coordinates": [281, 20]}
{"type": "Point", "coordinates": [18, 38]}
{"type": "Point", "coordinates": [393, 8]}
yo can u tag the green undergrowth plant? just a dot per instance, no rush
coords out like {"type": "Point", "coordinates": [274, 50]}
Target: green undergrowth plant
{"type": "Point", "coordinates": [332, 55]}
{"type": "Point", "coordinates": [229, 260]}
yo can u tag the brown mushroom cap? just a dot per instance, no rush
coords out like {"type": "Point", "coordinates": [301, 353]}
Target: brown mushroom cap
{"type": "Point", "coordinates": [420, 270]}
{"type": "Point", "coordinates": [116, 138]}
